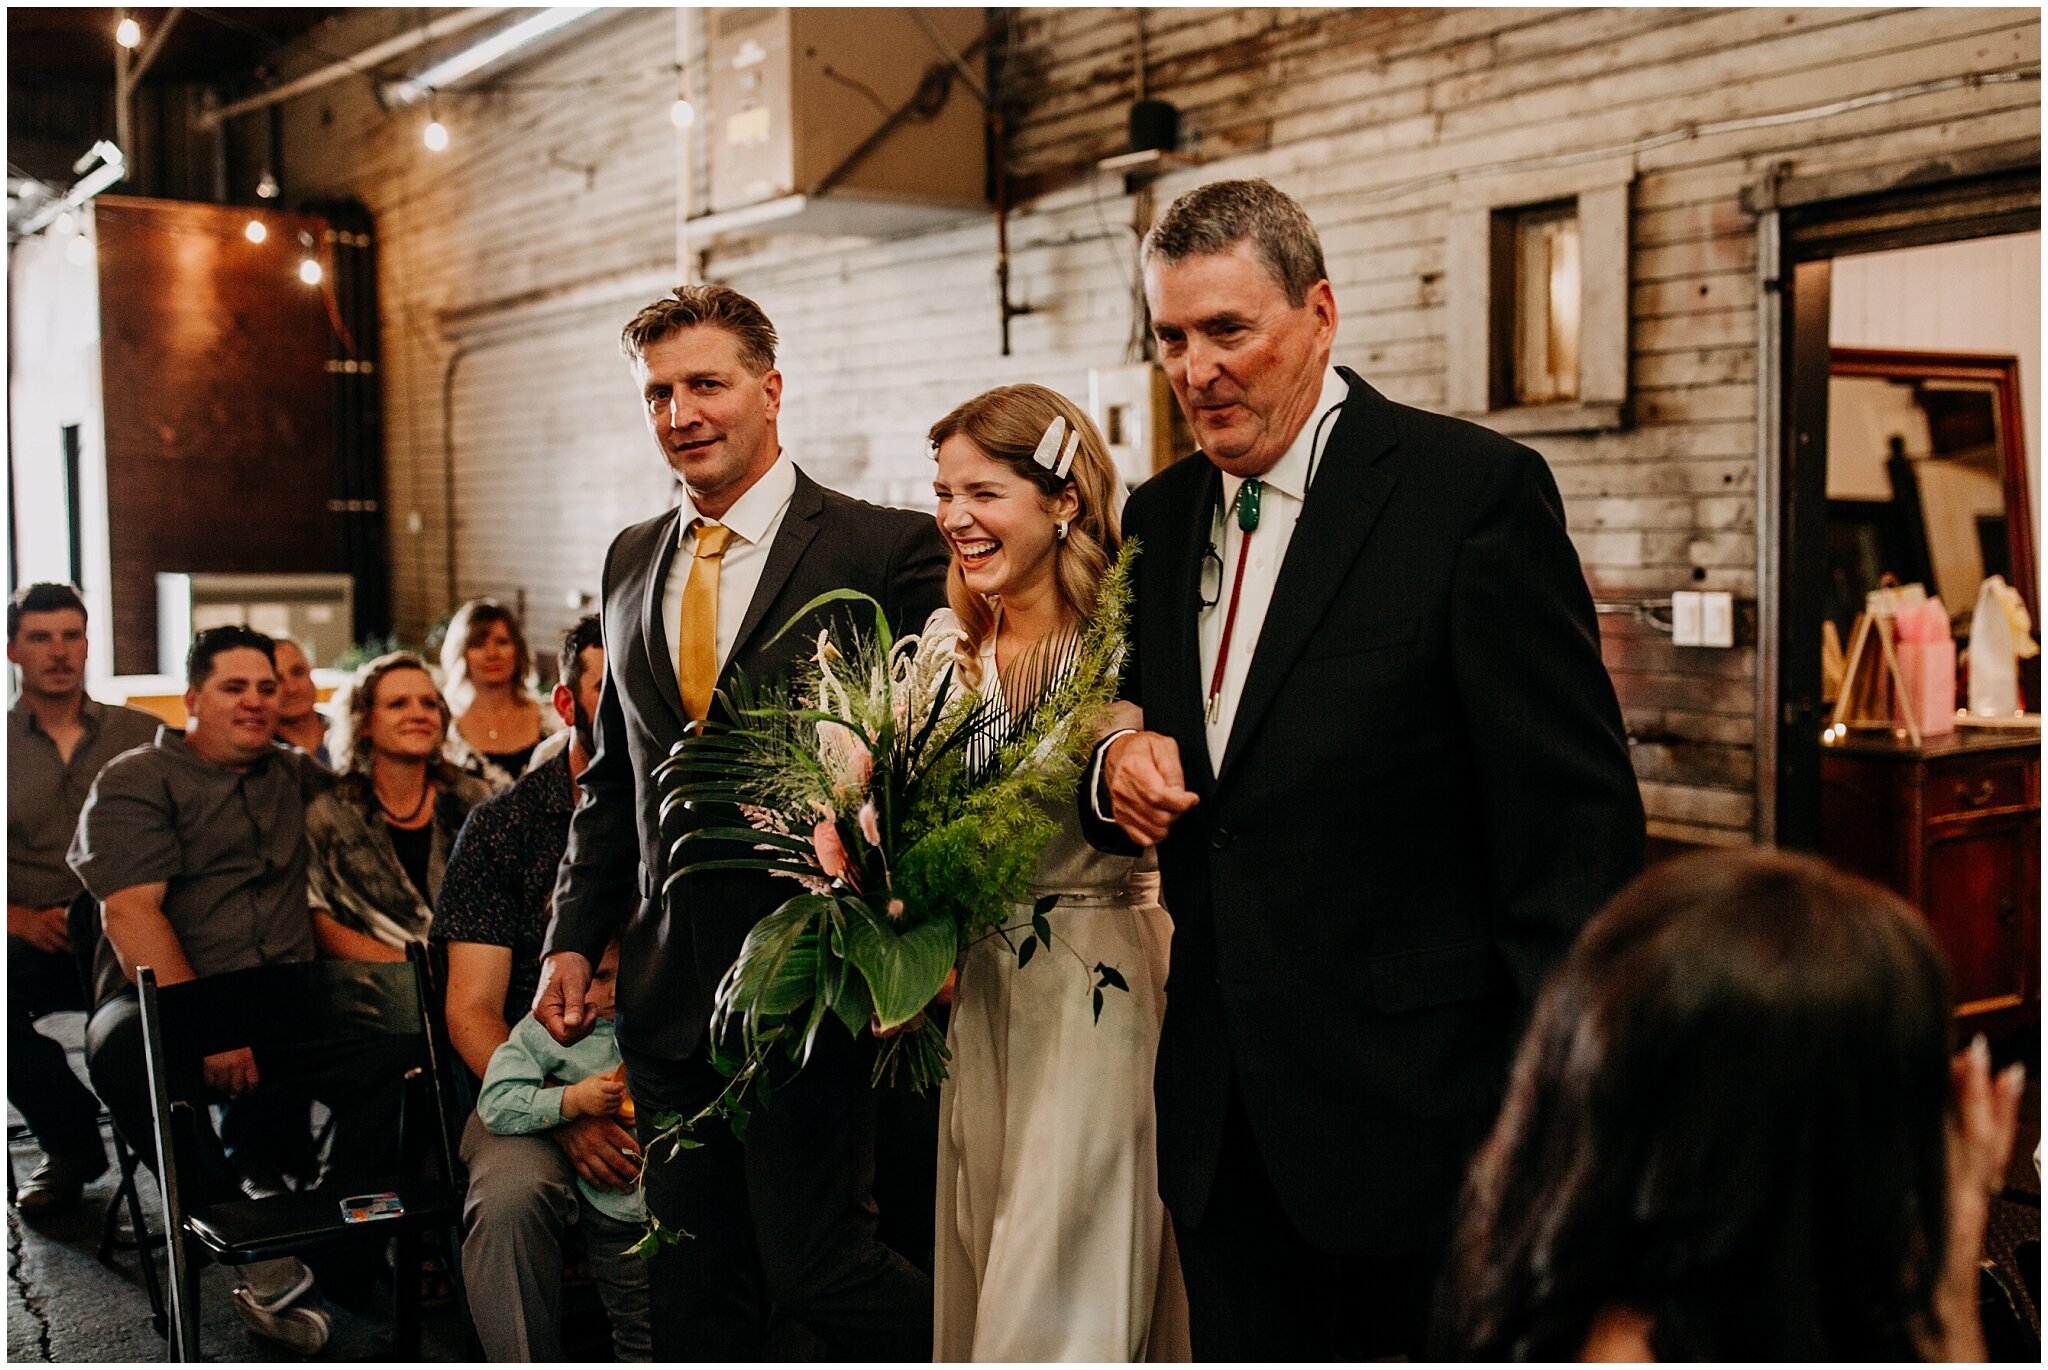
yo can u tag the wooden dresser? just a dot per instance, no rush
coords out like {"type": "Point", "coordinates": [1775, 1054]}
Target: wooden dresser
{"type": "Point", "coordinates": [1954, 825]}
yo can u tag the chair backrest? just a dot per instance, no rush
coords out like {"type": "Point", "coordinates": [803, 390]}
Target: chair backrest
{"type": "Point", "coordinates": [313, 1002]}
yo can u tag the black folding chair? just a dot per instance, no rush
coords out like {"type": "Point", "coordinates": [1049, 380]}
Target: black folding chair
{"type": "Point", "coordinates": [332, 1004]}
{"type": "Point", "coordinates": [82, 923]}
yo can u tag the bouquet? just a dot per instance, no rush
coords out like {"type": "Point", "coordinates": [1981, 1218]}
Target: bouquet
{"type": "Point", "coordinates": [910, 814]}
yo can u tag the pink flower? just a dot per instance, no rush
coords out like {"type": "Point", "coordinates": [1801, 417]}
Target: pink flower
{"type": "Point", "coordinates": [871, 824]}
{"type": "Point", "coordinates": [845, 756]}
{"type": "Point", "coordinates": [831, 852]}
{"type": "Point", "coordinates": [896, 908]}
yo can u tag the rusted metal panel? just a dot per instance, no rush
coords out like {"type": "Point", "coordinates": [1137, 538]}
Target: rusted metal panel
{"type": "Point", "coordinates": [218, 404]}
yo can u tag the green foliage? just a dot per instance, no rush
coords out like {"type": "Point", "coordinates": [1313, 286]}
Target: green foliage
{"type": "Point", "coordinates": [913, 828]}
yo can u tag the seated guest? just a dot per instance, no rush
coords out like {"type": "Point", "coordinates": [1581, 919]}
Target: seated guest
{"type": "Point", "coordinates": [535, 1083]}
{"type": "Point", "coordinates": [493, 914]}
{"type": "Point", "coordinates": [195, 846]}
{"type": "Point", "coordinates": [299, 723]}
{"type": "Point", "coordinates": [57, 740]}
{"type": "Point", "coordinates": [1734, 1133]}
{"type": "Point", "coordinates": [381, 835]}
{"type": "Point", "coordinates": [488, 669]}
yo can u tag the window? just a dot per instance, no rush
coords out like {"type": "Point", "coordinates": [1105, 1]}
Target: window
{"type": "Point", "coordinates": [1538, 298]}
{"type": "Point", "coordinates": [1540, 313]}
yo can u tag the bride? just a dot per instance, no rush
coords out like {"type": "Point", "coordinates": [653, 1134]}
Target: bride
{"type": "Point", "coordinates": [1052, 1244]}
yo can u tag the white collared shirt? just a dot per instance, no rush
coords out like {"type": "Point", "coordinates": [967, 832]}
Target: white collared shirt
{"type": "Point", "coordinates": [1285, 487]}
{"type": "Point", "coordinates": [754, 518]}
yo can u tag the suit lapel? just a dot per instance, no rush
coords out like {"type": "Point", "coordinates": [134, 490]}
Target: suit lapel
{"type": "Point", "coordinates": [799, 527]}
{"type": "Point", "coordinates": [1176, 661]}
{"type": "Point", "coordinates": [661, 653]}
{"type": "Point", "coordinates": [1336, 518]}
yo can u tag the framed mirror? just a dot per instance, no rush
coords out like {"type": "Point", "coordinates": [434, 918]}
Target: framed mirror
{"type": "Point", "coordinates": [1927, 478]}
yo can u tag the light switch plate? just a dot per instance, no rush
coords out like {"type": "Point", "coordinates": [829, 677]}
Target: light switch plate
{"type": "Point", "coordinates": [1686, 613]}
{"type": "Point", "coordinates": [1717, 619]}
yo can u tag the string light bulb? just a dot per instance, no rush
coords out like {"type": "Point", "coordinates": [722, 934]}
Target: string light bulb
{"type": "Point", "coordinates": [682, 113]}
{"type": "Point", "coordinates": [266, 186]}
{"type": "Point", "coordinates": [67, 223]}
{"type": "Point", "coordinates": [437, 132]}
{"type": "Point", "coordinates": [78, 251]}
{"type": "Point", "coordinates": [256, 232]}
{"type": "Point", "coordinates": [310, 272]}
{"type": "Point", "coordinates": [128, 34]}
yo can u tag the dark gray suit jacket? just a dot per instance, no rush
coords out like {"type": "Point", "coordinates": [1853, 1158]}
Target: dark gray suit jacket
{"type": "Point", "coordinates": [672, 958]}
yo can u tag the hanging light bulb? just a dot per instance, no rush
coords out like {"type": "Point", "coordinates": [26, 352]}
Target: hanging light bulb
{"type": "Point", "coordinates": [437, 132]}
{"type": "Point", "coordinates": [310, 272]}
{"type": "Point", "coordinates": [67, 223]}
{"type": "Point", "coordinates": [266, 186]}
{"type": "Point", "coordinates": [78, 251]}
{"type": "Point", "coordinates": [256, 232]}
{"type": "Point", "coordinates": [128, 33]}
{"type": "Point", "coordinates": [682, 113]}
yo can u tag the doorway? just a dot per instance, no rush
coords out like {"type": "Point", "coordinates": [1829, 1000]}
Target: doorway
{"type": "Point", "coordinates": [1864, 246]}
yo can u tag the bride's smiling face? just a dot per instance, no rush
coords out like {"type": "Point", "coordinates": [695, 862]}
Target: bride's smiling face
{"type": "Point", "coordinates": [1001, 528]}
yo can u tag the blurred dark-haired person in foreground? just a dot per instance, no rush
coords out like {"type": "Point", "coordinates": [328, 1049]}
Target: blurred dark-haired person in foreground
{"type": "Point", "coordinates": [1735, 1132]}
{"type": "Point", "coordinates": [382, 834]}
{"type": "Point", "coordinates": [57, 740]}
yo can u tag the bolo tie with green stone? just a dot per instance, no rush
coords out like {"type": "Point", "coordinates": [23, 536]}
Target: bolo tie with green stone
{"type": "Point", "coordinates": [1247, 522]}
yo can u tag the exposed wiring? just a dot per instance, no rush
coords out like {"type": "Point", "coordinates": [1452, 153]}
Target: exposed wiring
{"type": "Point", "coordinates": [2029, 72]}
{"type": "Point", "coordinates": [832, 73]}
{"type": "Point", "coordinates": [952, 56]}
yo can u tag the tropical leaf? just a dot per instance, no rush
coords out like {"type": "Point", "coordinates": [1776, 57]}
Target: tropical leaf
{"type": "Point", "coordinates": [904, 970]}
{"type": "Point", "coordinates": [835, 597]}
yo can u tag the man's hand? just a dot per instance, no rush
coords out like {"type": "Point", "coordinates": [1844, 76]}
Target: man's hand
{"type": "Point", "coordinates": [1146, 788]}
{"type": "Point", "coordinates": [564, 981]}
{"type": "Point", "coordinates": [602, 1152]}
{"type": "Point", "coordinates": [42, 928]}
{"type": "Point", "coordinates": [233, 1073]}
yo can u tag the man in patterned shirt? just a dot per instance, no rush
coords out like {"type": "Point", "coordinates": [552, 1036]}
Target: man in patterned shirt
{"type": "Point", "coordinates": [493, 914]}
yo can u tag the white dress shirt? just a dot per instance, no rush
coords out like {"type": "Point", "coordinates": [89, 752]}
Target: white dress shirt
{"type": "Point", "coordinates": [1285, 488]}
{"type": "Point", "coordinates": [754, 519]}
{"type": "Point", "coordinates": [1286, 485]}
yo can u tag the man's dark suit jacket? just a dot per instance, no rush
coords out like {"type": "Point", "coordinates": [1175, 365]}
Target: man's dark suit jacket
{"type": "Point", "coordinates": [671, 959]}
{"type": "Point", "coordinates": [1426, 792]}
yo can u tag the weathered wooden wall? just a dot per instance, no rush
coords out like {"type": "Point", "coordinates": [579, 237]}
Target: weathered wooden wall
{"type": "Point", "coordinates": [511, 260]}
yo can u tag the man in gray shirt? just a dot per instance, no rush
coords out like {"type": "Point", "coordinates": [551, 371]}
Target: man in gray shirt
{"type": "Point", "coordinates": [57, 740]}
{"type": "Point", "coordinates": [195, 846]}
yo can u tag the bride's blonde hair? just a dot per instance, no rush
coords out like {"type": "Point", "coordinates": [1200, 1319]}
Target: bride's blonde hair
{"type": "Point", "coordinates": [1005, 424]}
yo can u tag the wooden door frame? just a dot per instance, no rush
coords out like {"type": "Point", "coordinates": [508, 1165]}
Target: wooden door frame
{"type": "Point", "coordinates": [1802, 228]}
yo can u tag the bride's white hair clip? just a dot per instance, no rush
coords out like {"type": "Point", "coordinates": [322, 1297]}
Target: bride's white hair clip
{"type": "Point", "coordinates": [1049, 454]}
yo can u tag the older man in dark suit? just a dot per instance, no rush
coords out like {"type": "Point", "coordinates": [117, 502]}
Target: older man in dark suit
{"type": "Point", "coordinates": [693, 600]}
{"type": "Point", "coordinates": [1388, 780]}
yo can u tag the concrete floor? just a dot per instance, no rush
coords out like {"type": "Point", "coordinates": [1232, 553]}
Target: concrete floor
{"type": "Point", "coordinates": [63, 1305]}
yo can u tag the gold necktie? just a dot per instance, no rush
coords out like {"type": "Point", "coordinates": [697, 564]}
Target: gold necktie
{"type": "Point", "coordinates": [697, 635]}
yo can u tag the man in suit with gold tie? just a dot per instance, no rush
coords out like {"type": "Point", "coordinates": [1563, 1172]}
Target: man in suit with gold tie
{"type": "Point", "coordinates": [784, 1222]}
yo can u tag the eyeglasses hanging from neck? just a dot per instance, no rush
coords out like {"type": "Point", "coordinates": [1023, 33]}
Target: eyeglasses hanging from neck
{"type": "Point", "coordinates": [1250, 496]}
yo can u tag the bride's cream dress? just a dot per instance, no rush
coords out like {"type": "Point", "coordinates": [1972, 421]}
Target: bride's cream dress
{"type": "Point", "coordinates": [1052, 1244]}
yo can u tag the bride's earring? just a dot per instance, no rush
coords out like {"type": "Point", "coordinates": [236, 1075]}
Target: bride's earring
{"type": "Point", "coordinates": [1059, 530]}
